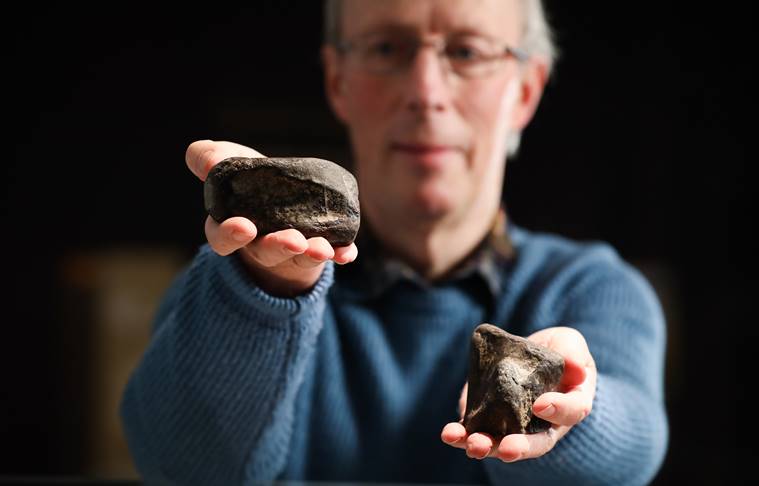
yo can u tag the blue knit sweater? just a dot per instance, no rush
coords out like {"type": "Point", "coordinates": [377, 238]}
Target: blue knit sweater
{"type": "Point", "coordinates": [238, 386]}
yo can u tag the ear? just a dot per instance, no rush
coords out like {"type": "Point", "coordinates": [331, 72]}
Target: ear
{"type": "Point", "coordinates": [534, 78]}
{"type": "Point", "coordinates": [333, 81]}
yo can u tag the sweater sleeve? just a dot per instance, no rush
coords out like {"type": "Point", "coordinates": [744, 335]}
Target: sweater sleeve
{"type": "Point", "coordinates": [212, 401]}
{"type": "Point", "coordinates": [624, 439]}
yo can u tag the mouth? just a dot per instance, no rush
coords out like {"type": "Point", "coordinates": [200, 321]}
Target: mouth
{"type": "Point", "coordinates": [429, 156]}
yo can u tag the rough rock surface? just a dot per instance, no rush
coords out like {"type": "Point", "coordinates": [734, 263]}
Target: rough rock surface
{"type": "Point", "coordinates": [315, 196]}
{"type": "Point", "coordinates": [507, 373]}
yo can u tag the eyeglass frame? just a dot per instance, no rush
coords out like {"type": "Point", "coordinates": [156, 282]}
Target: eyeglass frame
{"type": "Point", "coordinates": [520, 55]}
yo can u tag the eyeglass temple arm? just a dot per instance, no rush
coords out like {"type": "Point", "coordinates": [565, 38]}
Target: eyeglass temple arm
{"type": "Point", "coordinates": [520, 54]}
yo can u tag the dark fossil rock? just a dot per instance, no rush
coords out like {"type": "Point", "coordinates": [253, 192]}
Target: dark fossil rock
{"type": "Point", "coordinates": [507, 373]}
{"type": "Point", "coordinates": [315, 196]}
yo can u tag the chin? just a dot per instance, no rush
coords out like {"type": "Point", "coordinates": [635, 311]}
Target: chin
{"type": "Point", "coordinates": [433, 203]}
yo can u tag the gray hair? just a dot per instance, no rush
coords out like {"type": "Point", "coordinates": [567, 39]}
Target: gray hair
{"type": "Point", "coordinates": [537, 39]}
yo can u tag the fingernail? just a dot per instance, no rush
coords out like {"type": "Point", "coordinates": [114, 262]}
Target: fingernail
{"type": "Point", "coordinates": [240, 236]}
{"type": "Point", "coordinates": [509, 458]}
{"type": "Point", "coordinates": [548, 411]}
{"type": "Point", "coordinates": [471, 453]}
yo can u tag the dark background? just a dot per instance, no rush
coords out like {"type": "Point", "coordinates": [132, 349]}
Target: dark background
{"type": "Point", "coordinates": [639, 141]}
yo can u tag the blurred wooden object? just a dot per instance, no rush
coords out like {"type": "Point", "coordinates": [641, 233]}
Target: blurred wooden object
{"type": "Point", "coordinates": [109, 299]}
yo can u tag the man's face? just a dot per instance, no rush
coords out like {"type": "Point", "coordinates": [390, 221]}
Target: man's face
{"type": "Point", "coordinates": [429, 144]}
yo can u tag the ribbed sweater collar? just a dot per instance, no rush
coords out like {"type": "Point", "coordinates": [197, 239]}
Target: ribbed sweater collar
{"type": "Point", "coordinates": [375, 271]}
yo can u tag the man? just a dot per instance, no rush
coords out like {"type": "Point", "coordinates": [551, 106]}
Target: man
{"type": "Point", "coordinates": [270, 362]}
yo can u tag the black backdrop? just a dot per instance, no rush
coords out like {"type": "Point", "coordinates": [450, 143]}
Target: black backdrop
{"type": "Point", "coordinates": [640, 141]}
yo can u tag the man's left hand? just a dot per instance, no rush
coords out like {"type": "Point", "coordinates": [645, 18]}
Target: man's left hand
{"type": "Point", "coordinates": [564, 408]}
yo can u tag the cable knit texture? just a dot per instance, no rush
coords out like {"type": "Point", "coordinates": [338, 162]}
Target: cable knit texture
{"type": "Point", "coordinates": [238, 386]}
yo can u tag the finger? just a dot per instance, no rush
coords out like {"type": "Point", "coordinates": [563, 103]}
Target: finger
{"type": "Point", "coordinates": [274, 248]}
{"type": "Point", "coordinates": [231, 235]}
{"type": "Point", "coordinates": [563, 408]}
{"type": "Point", "coordinates": [346, 254]}
{"type": "Point", "coordinates": [479, 445]}
{"type": "Point", "coordinates": [462, 400]}
{"type": "Point", "coordinates": [454, 434]}
{"type": "Point", "coordinates": [575, 373]}
{"type": "Point", "coordinates": [566, 341]}
{"type": "Point", "coordinates": [571, 345]}
{"type": "Point", "coordinates": [515, 447]}
{"type": "Point", "coordinates": [202, 155]}
{"type": "Point", "coordinates": [318, 251]}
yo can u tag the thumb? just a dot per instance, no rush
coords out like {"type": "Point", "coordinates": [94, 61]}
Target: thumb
{"type": "Point", "coordinates": [574, 373]}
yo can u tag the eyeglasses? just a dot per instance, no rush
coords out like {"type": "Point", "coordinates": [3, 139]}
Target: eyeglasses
{"type": "Point", "coordinates": [467, 55]}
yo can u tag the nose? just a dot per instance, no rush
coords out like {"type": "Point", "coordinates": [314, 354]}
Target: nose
{"type": "Point", "coordinates": [427, 84]}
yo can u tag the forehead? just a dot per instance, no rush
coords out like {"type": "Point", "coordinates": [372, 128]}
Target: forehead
{"type": "Point", "coordinates": [497, 18]}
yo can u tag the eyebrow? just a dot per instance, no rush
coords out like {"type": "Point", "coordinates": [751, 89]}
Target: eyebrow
{"type": "Point", "coordinates": [389, 28]}
{"type": "Point", "coordinates": [399, 28]}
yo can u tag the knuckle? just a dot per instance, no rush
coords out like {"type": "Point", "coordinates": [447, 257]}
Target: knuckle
{"type": "Point", "coordinates": [579, 415]}
{"type": "Point", "coordinates": [551, 439]}
{"type": "Point", "coordinates": [275, 240]}
{"type": "Point", "coordinates": [302, 262]}
{"type": "Point", "coordinates": [255, 253]}
{"type": "Point", "coordinates": [586, 411]}
{"type": "Point", "coordinates": [220, 248]}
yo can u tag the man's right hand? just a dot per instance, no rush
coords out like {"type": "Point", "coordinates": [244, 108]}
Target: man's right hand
{"type": "Point", "coordinates": [284, 263]}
